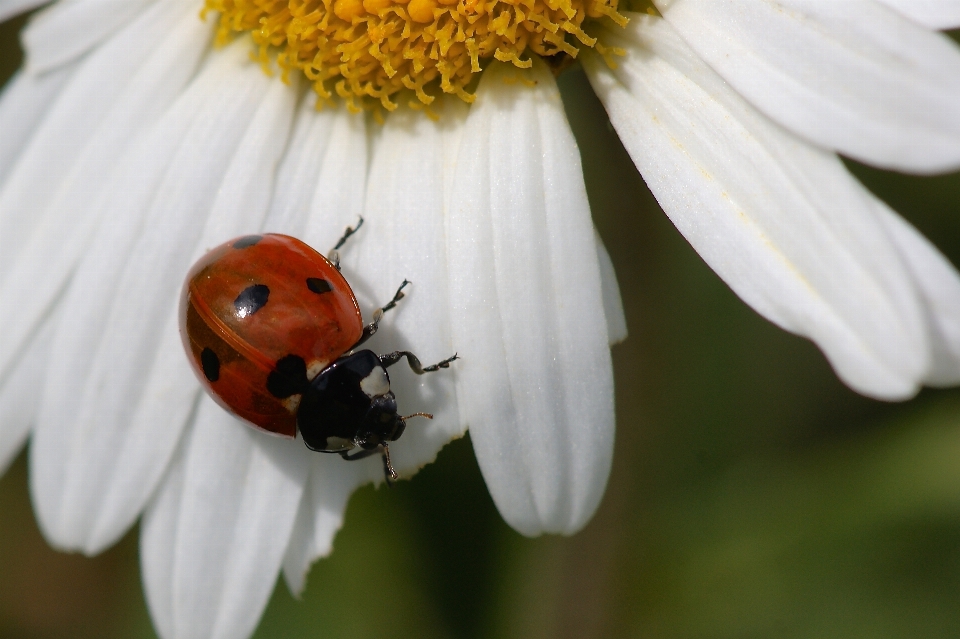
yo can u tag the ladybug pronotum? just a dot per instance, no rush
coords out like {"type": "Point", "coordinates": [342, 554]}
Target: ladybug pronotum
{"type": "Point", "coordinates": [272, 329]}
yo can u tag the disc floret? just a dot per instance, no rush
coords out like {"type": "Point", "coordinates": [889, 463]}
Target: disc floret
{"type": "Point", "coordinates": [363, 50]}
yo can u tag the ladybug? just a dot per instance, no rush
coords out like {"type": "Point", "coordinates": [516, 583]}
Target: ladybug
{"type": "Point", "coordinates": [271, 328]}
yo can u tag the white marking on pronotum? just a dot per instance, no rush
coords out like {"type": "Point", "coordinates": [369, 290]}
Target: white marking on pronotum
{"type": "Point", "coordinates": [376, 383]}
{"type": "Point", "coordinates": [292, 403]}
{"type": "Point", "coordinates": [315, 368]}
{"type": "Point", "coordinates": [337, 444]}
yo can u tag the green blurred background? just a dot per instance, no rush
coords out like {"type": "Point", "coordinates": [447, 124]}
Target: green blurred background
{"type": "Point", "coordinates": [752, 495]}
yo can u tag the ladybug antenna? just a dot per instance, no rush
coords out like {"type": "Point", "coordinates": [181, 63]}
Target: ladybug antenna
{"type": "Point", "coordinates": [388, 471]}
{"type": "Point", "coordinates": [427, 415]}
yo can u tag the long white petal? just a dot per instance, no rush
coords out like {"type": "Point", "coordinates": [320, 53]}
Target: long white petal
{"type": "Point", "coordinates": [46, 258]}
{"type": "Point", "coordinates": [783, 223]}
{"type": "Point", "coordinates": [297, 174]}
{"type": "Point", "coordinates": [852, 76]}
{"type": "Point", "coordinates": [10, 8]}
{"type": "Point", "coordinates": [340, 188]}
{"type": "Point", "coordinates": [25, 101]}
{"type": "Point", "coordinates": [535, 383]}
{"type": "Point", "coordinates": [404, 238]}
{"type": "Point", "coordinates": [939, 286]}
{"type": "Point", "coordinates": [612, 304]}
{"type": "Point", "coordinates": [67, 29]}
{"type": "Point", "coordinates": [320, 190]}
{"type": "Point", "coordinates": [126, 290]}
{"type": "Point", "coordinates": [80, 109]}
{"type": "Point", "coordinates": [331, 482]}
{"type": "Point", "coordinates": [19, 399]}
{"type": "Point", "coordinates": [214, 539]}
{"type": "Point", "coordinates": [147, 441]}
{"type": "Point", "coordinates": [322, 181]}
{"type": "Point", "coordinates": [933, 14]}
{"type": "Point", "coordinates": [158, 532]}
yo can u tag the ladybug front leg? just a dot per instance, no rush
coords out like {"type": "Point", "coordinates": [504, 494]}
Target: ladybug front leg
{"type": "Point", "coordinates": [388, 471]}
{"type": "Point", "coordinates": [414, 362]}
{"type": "Point", "coordinates": [334, 254]}
{"type": "Point", "coordinates": [372, 327]}
{"type": "Point", "coordinates": [363, 453]}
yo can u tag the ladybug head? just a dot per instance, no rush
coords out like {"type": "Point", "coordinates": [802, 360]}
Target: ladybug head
{"type": "Point", "coordinates": [350, 405]}
{"type": "Point", "coordinates": [382, 423]}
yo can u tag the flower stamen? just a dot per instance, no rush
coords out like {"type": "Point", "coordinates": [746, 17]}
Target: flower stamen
{"type": "Point", "coordinates": [370, 50]}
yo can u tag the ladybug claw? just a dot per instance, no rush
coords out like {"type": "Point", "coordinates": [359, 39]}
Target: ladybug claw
{"type": "Point", "coordinates": [444, 364]}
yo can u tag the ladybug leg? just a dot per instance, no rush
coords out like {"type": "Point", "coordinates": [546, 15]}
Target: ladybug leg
{"type": "Point", "coordinates": [414, 362]}
{"type": "Point", "coordinates": [363, 453]}
{"type": "Point", "coordinates": [372, 327]}
{"type": "Point", "coordinates": [334, 254]}
{"type": "Point", "coordinates": [388, 472]}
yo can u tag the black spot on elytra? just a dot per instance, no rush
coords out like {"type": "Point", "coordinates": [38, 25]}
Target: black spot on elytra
{"type": "Point", "coordinates": [251, 300]}
{"type": "Point", "coordinates": [211, 364]}
{"type": "Point", "coordinates": [319, 285]}
{"type": "Point", "coordinates": [247, 240]}
{"type": "Point", "coordinates": [289, 377]}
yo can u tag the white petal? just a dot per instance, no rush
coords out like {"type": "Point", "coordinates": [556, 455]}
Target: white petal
{"type": "Point", "coordinates": [214, 539]}
{"type": "Point", "coordinates": [612, 304]}
{"type": "Point", "coordinates": [783, 223]}
{"type": "Point", "coordinates": [148, 439]}
{"type": "Point", "coordinates": [322, 180]}
{"type": "Point", "coordinates": [69, 28]}
{"type": "Point", "coordinates": [297, 173]}
{"type": "Point", "coordinates": [46, 258]}
{"type": "Point", "coordinates": [939, 285]}
{"type": "Point", "coordinates": [320, 190]}
{"type": "Point", "coordinates": [534, 384]}
{"type": "Point", "coordinates": [126, 290]}
{"type": "Point", "coordinates": [158, 532]}
{"type": "Point", "coordinates": [26, 99]}
{"type": "Point", "coordinates": [10, 8]}
{"type": "Point", "coordinates": [331, 482]}
{"type": "Point", "coordinates": [340, 191]}
{"type": "Point", "coordinates": [851, 76]}
{"type": "Point", "coordinates": [404, 238]}
{"type": "Point", "coordinates": [68, 127]}
{"type": "Point", "coordinates": [405, 192]}
{"type": "Point", "coordinates": [933, 14]}
{"type": "Point", "coordinates": [19, 399]}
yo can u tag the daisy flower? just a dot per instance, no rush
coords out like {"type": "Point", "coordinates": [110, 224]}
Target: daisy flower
{"type": "Point", "coordinates": [139, 134]}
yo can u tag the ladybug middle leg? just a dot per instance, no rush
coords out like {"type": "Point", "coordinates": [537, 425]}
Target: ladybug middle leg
{"type": "Point", "coordinates": [372, 327]}
{"type": "Point", "coordinates": [414, 362]}
{"type": "Point", "coordinates": [334, 254]}
{"type": "Point", "coordinates": [384, 451]}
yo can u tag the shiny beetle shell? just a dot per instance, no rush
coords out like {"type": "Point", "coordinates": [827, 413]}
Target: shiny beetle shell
{"type": "Point", "coordinates": [259, 305]}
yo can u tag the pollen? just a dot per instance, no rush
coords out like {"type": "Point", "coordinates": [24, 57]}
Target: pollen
{"type": "Point", "coordinates": [376, 52]}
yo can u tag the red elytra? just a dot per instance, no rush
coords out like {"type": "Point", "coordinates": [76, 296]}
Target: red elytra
{"type": "Point", "coordinates": [254, 300]}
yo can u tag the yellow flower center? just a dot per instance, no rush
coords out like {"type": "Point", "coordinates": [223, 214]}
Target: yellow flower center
{"type": "Point", "coordinates": [375, 49]}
